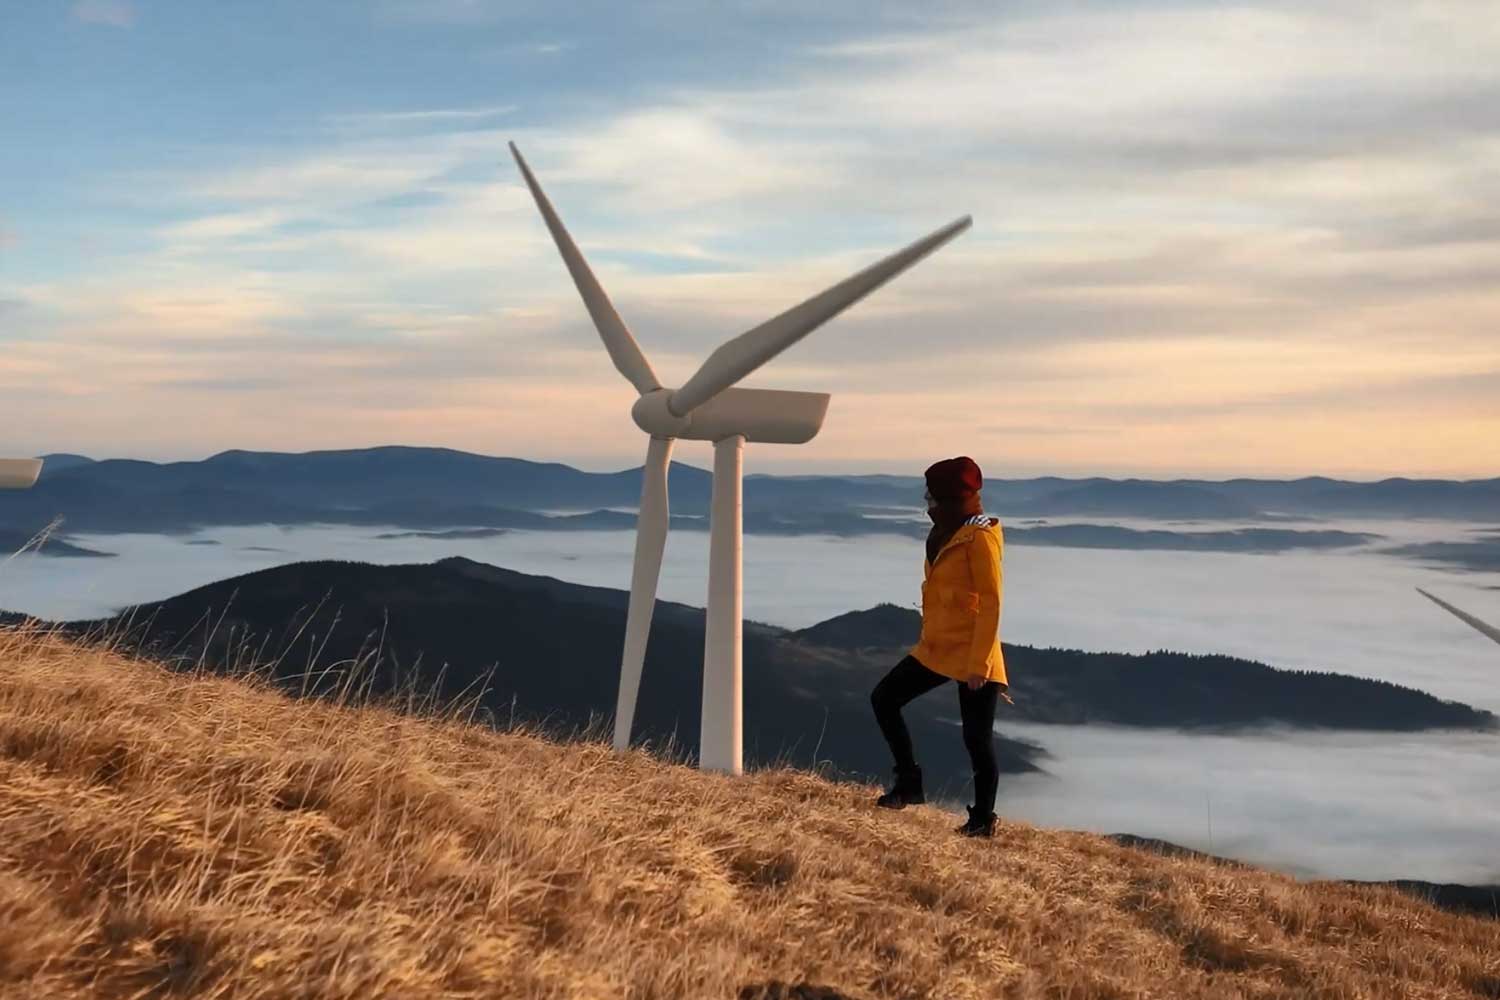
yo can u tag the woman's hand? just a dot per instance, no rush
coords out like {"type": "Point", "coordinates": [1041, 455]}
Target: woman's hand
{"type": "Point", "coordinates": [975, 682]}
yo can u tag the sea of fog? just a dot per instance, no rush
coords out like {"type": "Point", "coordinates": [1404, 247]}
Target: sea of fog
{"type": "Point", "coordinates": [1355, 805]}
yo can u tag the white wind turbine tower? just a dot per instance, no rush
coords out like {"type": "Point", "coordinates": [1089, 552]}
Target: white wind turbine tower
{"type": "Point", "coordinates": [19, 473]}
{"type": "Point", "coordinates": [1482, 627]}
{"type": "Point", "coordinates": [710, 407]}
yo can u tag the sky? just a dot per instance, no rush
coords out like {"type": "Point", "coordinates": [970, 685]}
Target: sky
{"type": "Point", "coordinates": [1209, 239]}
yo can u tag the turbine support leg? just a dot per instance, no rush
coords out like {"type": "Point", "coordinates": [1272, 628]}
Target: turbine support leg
{"type": "Point", "coordinates": [650, 541]}
{"type": "Point", "coordinates": [721, 736]}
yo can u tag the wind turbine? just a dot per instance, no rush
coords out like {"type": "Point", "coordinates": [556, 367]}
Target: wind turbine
{"type": "Point", "coordinates": [19, 473]}
{"type": "Point", "coordinates": [1484, 628]}
{"type": "Point", "coordinates": [709, 406]}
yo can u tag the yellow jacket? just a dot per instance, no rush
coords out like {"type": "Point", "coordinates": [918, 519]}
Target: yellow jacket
{"type": "Point", "coordinates": [961, 604]}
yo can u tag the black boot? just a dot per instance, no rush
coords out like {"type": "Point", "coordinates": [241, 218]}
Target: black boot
{"type": "Point", "coordinates": [979, 825]}
{"type": "Point", "coordinates": [906, 792]}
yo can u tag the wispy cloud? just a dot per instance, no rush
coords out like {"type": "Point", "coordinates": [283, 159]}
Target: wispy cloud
{"type": "Point", "coordinates": [222, 227]}
{"type": "Point", "coordinates": [115, 13]}
{"type": "Point", "coordinates": [425, 116]}
{"type": "Point", "coordinates": [337, 174]}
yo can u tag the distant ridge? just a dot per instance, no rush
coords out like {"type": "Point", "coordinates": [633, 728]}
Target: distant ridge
{"type": "Point", "coordinates": [1138, 498]}
{"type": "Point", "coordinates": [55, 463]}
{"type": "Point", "coordinates": [432, 488]}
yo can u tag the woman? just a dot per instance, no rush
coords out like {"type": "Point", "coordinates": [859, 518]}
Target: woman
{"type": "Point", "coordinates": [960, 642]}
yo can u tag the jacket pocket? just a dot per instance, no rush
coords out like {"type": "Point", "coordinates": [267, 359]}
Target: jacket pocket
{"type": "Point", "coordinates": [948, 616]}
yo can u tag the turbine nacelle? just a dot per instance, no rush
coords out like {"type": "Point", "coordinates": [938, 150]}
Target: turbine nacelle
{"type": "Point", "coordinates": [19, 473]}
{"type": "Point", "coordinates": [763, 416]}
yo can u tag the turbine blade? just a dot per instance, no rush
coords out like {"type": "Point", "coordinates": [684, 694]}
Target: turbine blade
{"type": "Point", "coordinates": [736, 358]}
{"type": "Point", "coordinates": [650, 540]}
{"type": "Point", "coordinates": [1483, 628]}
{"type": "Point", "coordinates": [622, 348]}
{"type": "Point", "coordinates": [19, 473]}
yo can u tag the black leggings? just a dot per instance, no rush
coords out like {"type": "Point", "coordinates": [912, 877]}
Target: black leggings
{"type": "Point", "coordinates": [908, 680]}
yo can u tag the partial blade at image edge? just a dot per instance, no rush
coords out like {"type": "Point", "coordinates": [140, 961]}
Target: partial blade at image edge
{"type": "Point", "coordinates": [1480, 626]}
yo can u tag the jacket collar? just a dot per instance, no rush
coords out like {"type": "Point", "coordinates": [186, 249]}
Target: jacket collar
{"type": "Point", "coordinates": [979, 522]}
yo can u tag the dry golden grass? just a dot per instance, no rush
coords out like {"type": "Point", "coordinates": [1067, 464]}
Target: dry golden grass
{"type": "Point", "coordinates": [173, 836]}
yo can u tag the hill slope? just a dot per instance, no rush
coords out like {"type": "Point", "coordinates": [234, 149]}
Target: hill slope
{"type": "Point", "coordinates": [531, 646]}
{"type": "Point", "coordinates": [172, 836]}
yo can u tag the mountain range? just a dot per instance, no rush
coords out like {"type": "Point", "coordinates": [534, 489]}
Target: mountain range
{"type": "Point", "coordinates": [434, 488]}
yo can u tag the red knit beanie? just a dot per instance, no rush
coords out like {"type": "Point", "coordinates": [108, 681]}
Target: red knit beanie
{"type": "Point", "coordinates": [954, 478]}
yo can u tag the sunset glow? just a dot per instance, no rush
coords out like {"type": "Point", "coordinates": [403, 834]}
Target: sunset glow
{"type": "Point", "coordinates": [1209, 240]}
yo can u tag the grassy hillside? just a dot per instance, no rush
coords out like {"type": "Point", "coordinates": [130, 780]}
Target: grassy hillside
{"type": "Point", "coordinates": [171, 836]}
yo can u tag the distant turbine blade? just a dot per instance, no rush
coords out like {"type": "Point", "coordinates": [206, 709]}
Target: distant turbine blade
{"type": "Point", "coordinates": [1484, 628]}
{"type": "Point", "coordinates": [735, 359]}
{"type": "Point", "coordinates": [19, 473]}
{"type": "Point", "coordinates": [650, 540]}
{"type": "Point", "coordinates": [622, 348]}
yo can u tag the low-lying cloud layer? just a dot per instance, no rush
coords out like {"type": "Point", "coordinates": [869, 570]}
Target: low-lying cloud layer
{"type": "Point", "coordinates": [1350, 805]}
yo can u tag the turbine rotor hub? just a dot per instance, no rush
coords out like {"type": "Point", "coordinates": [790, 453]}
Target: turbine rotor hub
{"type": "Point", "coordinates": [652, 415]}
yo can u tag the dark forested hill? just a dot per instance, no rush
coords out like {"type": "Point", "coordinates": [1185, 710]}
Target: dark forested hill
{"type": "Point", "coordinates": [1167, 689]}
{"type": "Point", "coordinates": [536, 647]}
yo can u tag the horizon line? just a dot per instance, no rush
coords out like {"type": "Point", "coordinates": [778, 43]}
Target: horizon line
{"type": "Point", "coordinates": [1129, 477]}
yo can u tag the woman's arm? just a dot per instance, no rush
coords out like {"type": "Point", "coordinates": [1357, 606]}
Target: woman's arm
{"type": "Point", "coordinates": [984, 565]}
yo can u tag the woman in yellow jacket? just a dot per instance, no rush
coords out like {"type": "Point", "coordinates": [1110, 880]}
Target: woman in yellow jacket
{"type": "Point", "coordinates": [960, 642]}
